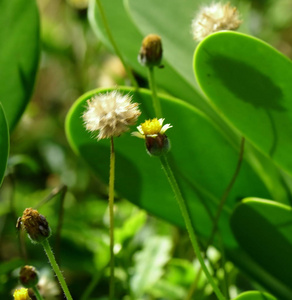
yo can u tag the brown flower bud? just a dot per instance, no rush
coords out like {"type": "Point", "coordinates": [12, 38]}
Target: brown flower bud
{"type": "Point", "coordinates": [36, 225]}
{"type": "Point", "coordinates": [28, 276]}
{"type": "Point", "coordinates": [150, 54]}
{"type": "Point", "coordinates": [158, 145]}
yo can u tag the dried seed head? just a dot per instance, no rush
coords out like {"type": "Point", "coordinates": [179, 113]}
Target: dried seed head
{"type": "Point", "coordinates": [36, 225]}
{"type": "Point", "coordinates": [150, 54]}
{"type": "Point", "coordinates": [110, 114]}
{"type": "Point", "coordinates": [21, 294]}
{"type": "Point", "coordinates": [28, 276]}
{"type": "Point", "coordinates": [213, 18]}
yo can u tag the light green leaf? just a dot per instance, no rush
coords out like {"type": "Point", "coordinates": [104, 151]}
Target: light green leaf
{"type": "Point", "coordinates": [149, 263]}
{"type": "Point", "coordinates": [19, 38]}
{"type": "Point", "coordinates": [255, 295]}
{"type": "Point", "coordinates": [250, 83]}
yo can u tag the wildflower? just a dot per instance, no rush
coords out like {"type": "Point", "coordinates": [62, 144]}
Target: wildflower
{"type": "Point", "coordinates": [150, 54]}
{"type": "Point", "coordinates": [213, 18]}
{"type": "Point", "coordinates": [21, 294]}
{"type": "Point", "coordinates": [28, 276]}
{"type": "Point", "coordinates": [111, 114]}
{"type": "Point", "coordinates": [153, 132]}
{"type": "Point", "coordinates": [36, 225]}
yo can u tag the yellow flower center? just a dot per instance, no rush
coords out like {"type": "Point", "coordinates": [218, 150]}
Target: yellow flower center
{"type": "Point", "coordinates": [150, 127]}
{"type": "Point", "coordinates": [21, 294]}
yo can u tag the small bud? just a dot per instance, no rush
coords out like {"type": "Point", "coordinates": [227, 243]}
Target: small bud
{"type": "Point", "coordinates": [21, 294]}
{"type": "Point", "coordinates": [36, 225]}
{"type": "Point", "coordinates": [150, 54]}
{"type": "Point", "coordinates": [28, 276]}
{"type": "Point", "coordinates": [153, 131]}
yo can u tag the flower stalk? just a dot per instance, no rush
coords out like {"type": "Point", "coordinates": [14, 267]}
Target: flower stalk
{"type": "Point", "coordinates": [111, 217]}
{"type": "Point", "coordinates": [56, 268]}
{"type": "Point", "coordinates": [186, 215]}
{"type": "Point", "coordinates": [152, 84]}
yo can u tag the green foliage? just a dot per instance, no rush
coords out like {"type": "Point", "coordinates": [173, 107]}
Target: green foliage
{"type": "Point", "coordinates": [255, 296]}
{"type": "Point", "coordinates": [232, 86]}
{"type": "Point", "coordinates": [4, 143]}
{"type": "Point", "coordinates": [249, 82]}
{"type": "Point", "coordinates": [20, 49]}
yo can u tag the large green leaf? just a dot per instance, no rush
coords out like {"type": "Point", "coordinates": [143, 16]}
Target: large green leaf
{"type": "Point", "coordinates": [255, 295]}
{"type": "Point", "coordinates": [263, 229]}
{"type": "Point", "coordinates": [4, 143]}
{"type": "Point", "coordinates": [250, 83]}
{"type": "Point", "coordinates": [202, 159]}
{"type": "Point", "coordinates": [19, 38]}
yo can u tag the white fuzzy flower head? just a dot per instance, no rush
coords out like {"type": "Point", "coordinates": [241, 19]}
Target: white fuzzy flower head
{"type": "Point", "coordinates": [213, 18]}
{"type": "Point", "coordinates": [110, 114]}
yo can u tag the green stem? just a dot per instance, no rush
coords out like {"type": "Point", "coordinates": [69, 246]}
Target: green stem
{"type": "Point", "coordinates": [37, 293]}
{"type": "Point", "coordinates": [189, 225]}
{"type": "Point", "coordinates": [226, 193]}
{"type": "Point", "coordinates": [111, 213]}
{"type": "Point", "coordinates": [56, 268]}
{"type": "Point", "coordinates": [114, 45]}
{"type": "Point", "coordinates": [156, 102]}
{"type": "Point", "coordinates": [219, 211]}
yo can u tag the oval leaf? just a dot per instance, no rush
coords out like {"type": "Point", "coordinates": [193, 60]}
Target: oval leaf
{"type": "Point", "coordinates": [250, 83]}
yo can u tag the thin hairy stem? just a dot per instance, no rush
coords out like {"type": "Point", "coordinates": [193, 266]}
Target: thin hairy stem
{"type": "Point", "coordinates": [226, 193]}
{"type": "Point", "coordinates": [56, 268]}
{"type": "Point", "coordinates": [186, 215]}
{"type": "Point", "coordinates": [114, 45]}
{"type": "Point", "coordinates": [152, 84]}
{"type": "Point", "coordinates": [111, 213]}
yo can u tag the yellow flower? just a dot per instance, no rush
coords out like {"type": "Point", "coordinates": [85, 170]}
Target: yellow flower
{"type": "Point", "coordinates": [213, 18]}
{"type": "Point", "coordinates": [153, 132]}
{"type": "Point", "coordinates": [21, 294]}
{"type": "Point", "coordinates": [110, 114]}
{"type": "Point", "coordinates": [151, 128]}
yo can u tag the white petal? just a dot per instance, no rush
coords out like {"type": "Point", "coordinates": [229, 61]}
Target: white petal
{"type": "Point", "coordinates": [138, 135]}
{"type": "Point", "coordinates": [165, 127]}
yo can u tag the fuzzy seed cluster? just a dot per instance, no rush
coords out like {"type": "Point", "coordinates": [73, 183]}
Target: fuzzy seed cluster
{"type": "Point", "coordinates": [213, 18]}
{"type": "Point", "coordinates": [110, 114]}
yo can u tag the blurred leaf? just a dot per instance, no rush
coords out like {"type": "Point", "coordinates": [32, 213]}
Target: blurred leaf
{"type": "Point", "coordinates": [4, 143]}
{"type": "Point", "coordinates": [164, 289]}
{"type": "Point", "coordinates": [19, 37]}
{"type": "Point", "coordinates": [250, 83]}
{"type": "Point", "coordinates": [254, 295]}
{"type": "Point", "coordinates": [145, 183]}
{"type": "Point", "coordinates": [263, 229]}
{"type": "Point", "coordinates": [130, 227]}
{"type": "Point", "coordinates": [9, 266]}
{"type": "Point", "coordinates": [149, 263]}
